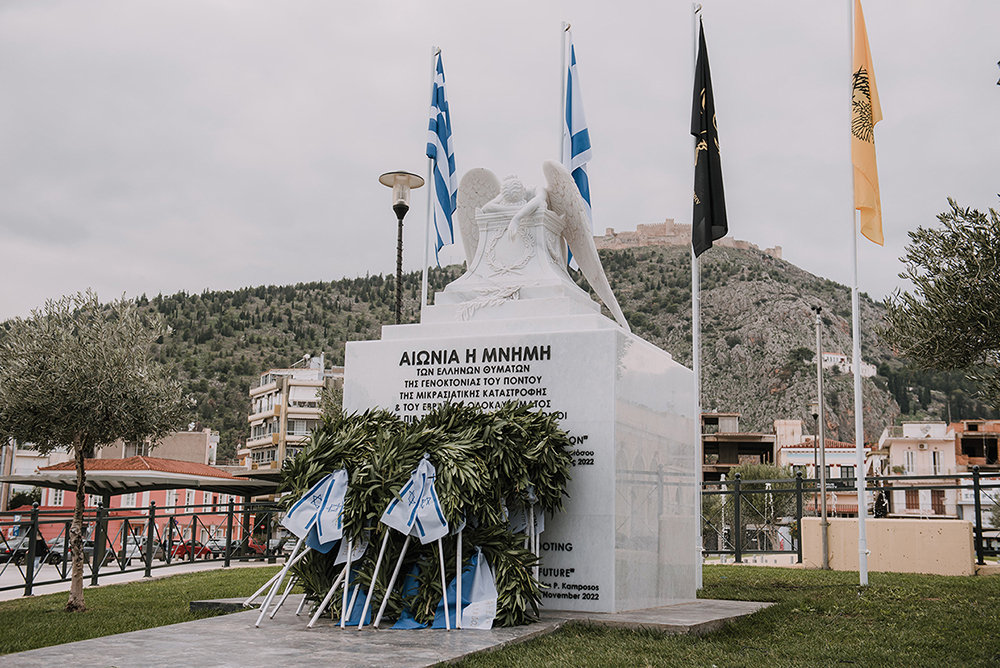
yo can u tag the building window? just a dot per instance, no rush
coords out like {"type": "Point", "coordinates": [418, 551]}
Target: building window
{"type": "Point", "coordinates": [128, 500]}
{"type": "Point", "coordinates": [912, 499]}
{"type": "Point", "coordinates": [297, 428]}
{"type": "Point", "coordinates": [937, 501]}
{"type": "Point", "coordinates": [94, 500]}
{"type": "Point", "coordinates": [936, 462]}
{"type": "Point", "coordinates": [911, 461]}
{"type": "Point", "coordinates": [847, 472]}
{"type": "Point", "coordinates": [170, 499]}
{"type": "Point", "coordinates": [799, 468]}
{"type": "Point", "coordinates": [134, 449]}
{"type": "Point", "coordinates": [56, 497]}
{"type": "Point", "coordinates": [189, 498]}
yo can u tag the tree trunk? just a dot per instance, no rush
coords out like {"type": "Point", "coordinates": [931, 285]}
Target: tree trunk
{"type": "Point", "coordinates": [75, 603]}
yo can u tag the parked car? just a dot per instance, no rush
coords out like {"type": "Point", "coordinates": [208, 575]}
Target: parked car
{"type": "Point", "coordinates": [88, 553]}
{"type": "Point", "coordinates": [16, 549]}
{"type": "Point", "coordinates": [182, 550]}
{"type": "Point", "coordinates": [217, 546]}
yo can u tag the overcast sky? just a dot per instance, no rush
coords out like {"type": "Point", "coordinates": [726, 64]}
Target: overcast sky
{"type": "Point", "coordinates": [151, 147]}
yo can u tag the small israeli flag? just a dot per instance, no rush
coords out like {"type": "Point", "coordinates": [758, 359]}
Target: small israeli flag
{"type": "Point", "coordinates": [330, 522]}
{"type": "Point", "coordinates": [300, 517]}
{"type": "Point", "coordinates": [417, 512]}
{"type": "Point", "coordinates": [576, 136]}
{"type": "Point", "coordinates": [440, 151]}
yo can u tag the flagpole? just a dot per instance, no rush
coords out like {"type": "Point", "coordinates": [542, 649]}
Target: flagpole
{"type": "Point", "coordinates": [431, 194]}
{"type": "Point", "coordinates": [696, 342]}
{"type": "Point", "coordinates": [859, 416]}
{"type": "Point", "coordinates": [562, 88]}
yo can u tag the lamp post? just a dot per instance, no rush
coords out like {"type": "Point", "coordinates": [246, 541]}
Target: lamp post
{"type": "Point", "coordinates": [401, 184]}
{"type": "Point", "coordinates": [823, 523]}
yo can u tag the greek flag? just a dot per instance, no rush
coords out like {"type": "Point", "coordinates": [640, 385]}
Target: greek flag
{"type": "Point", "coordinates": [417, 511]}
{"type": "Point", "coordinates": [576, 137]}
{"type": "Point", "coordinates": [440, 151]}
{"type": "Point", "coordinates": [300, 518]}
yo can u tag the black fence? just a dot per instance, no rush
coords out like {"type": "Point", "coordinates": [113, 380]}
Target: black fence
{"type": "Point", "coordinates": [746, 517]}
{"type": "Point", "coordinates": [35, 546]}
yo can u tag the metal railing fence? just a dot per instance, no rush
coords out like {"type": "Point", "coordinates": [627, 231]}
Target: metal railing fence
{"type": "Point", "coordinates": [741, 517]}
{"type": "Point", "coordinates": [132, 540]}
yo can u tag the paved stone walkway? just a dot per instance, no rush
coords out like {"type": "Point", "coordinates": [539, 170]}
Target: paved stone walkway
{"type": "Point", "coordinates": [231, 641]}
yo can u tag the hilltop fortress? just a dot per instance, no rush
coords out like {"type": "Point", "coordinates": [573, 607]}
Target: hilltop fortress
{"type": "Point", "coordinates": [667, 233]}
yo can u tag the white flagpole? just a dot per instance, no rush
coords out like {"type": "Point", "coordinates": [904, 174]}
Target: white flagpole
{"type": "Point", "coordinates": [458, 581]}
{"type": "Point", "coordinates": [431, 194]}
{"type": "Point", "coordinates": [277, 584]}
{"type": "Point", "coordinates": [371, 586]}
{"type": "Point", "coordinates": [696, 345]}
{"type": "Point", "coordinates": [327, 599]}
{"type": "Point", "coordinates": [859, 417]}
{"type": "Point", "coordinates": [444, 586]}
{"type": "Point", "coordinates": [392, 583]}
{"type": "Point", "coordinates": [288, 590]}
{"type": "Point", "coordinates": [562, 88]}
{"type": "Point", "coordinates": [347, 583]}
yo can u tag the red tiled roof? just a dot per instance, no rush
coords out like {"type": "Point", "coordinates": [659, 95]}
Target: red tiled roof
{"type": "Point", "coordinates": [144, 464]}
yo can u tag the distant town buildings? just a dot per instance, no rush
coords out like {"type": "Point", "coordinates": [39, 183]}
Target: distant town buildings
{"type": "Point", "coordinates": [843, 364]}
{"type": "Point", "coordinates": [284, 409]}
{"type": "Point", "coordinates": [667, 233]}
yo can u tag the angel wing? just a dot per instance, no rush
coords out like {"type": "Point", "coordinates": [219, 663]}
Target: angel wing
{"type": "Point", "coordinates": [478, 187]}
{"type": "Point", "coordinates": [565, 200]}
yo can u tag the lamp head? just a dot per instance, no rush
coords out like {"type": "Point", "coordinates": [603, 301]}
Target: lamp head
{"type": "Point", "coordinates": [401, 184]}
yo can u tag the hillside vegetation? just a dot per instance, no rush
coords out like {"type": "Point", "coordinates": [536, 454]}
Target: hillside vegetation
{"type": "Point", "coordinates": [758, 338]}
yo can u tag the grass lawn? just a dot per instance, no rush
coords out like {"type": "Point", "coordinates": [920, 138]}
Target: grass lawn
{"type": "Point", "coordinates": [41, 621]}
{"type": "Point", "coordinates": [820, 619]}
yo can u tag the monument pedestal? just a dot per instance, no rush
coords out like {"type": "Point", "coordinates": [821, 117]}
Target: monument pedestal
{"type": "Point", "coordinates": [627, 538]}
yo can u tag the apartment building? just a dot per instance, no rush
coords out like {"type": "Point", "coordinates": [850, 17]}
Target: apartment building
{"type": "Point", "coordinates": [284, 409]}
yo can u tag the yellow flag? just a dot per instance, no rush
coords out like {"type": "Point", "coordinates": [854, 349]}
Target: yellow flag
{"type": "Point", "coordinates": [866, 112]}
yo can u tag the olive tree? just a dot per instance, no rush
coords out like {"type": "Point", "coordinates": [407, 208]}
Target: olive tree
{"type": "Point", "coordinates": [951, 320]}
{"type": "Point", "coordinates": [77, 374]}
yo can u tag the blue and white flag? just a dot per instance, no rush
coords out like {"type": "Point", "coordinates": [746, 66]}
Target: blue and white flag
{"type": "Point", "coordinates": [300, 518]}
{"type": "Point", "coordinates": [330, 522]}
{"type": "Point", "coordinates": [576, 136]}
{"type": "Point", "coordinates": [440, 151]}
{"type": "Point", "coordinates": [417, 511]}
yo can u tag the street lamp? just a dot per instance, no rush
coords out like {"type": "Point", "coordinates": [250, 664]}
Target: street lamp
{"type": "Point", "coordinates": [824, 524]}
{"type": "Point", "coordinates": [401, 184]}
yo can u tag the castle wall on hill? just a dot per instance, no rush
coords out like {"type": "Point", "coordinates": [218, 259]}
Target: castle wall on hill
{"type": "Point", "coordinates": [667, 233]}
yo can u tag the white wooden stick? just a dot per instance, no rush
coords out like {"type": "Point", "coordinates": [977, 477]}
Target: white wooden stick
{"type": "Point", "coordinates": [302, 604]}
{"type": "Point", "coordinates": [392, 582]}
{"type": "Point", "coordinates": [444, 586]}
{"type": "Point", "coordinates": [347, 583]}
{"type": "Point", "coordinates": [458, 582]}
{"type": "Point", "coordinates": [326, 600]}
{"type": "Point", "coordinates": [354, 598]}
{"type": "Point", "coordinates": [288, 590]}
{"type": "Point", "coordinates": [274, 588]}
{"type": "Point", "coordinates": [246, 603]}
{"type": "Point", "coordinates": [371, 587]}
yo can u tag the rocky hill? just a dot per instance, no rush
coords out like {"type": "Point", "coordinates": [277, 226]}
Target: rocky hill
{"type": "Point", "coordinates": [758, 338]}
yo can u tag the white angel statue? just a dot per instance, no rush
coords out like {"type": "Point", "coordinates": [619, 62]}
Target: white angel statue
{"type": "Point", "coordinates": [515, 239]}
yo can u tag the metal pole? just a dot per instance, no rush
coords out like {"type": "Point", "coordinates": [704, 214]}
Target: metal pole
{"type": "Point", "coordinates": [696, 343]}
{"type": "Point", "coordinates": [150, 535]}
{"type": "Point", "coordinates": [823, 523]}
{"type": "Point", "coordinates": [798, 513]}
{"type": "Point", "coordinates": [229, 533]}
{"type": "Point", "coordinates": [400, 210]}
{"type": "Point", "coordinates": [29, 567]}
{"type": "Point", "coordinates": [859, 414]}
{"type": "Point", "coordinates": [976, 492]}
{"type": "Point", "coordinates": [431, 194]}
{"type": "Point", "coordinates": [737, 520]}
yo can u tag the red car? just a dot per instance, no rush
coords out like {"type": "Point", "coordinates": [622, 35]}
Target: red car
{"type": "Point", "coordinates": [183, 550]}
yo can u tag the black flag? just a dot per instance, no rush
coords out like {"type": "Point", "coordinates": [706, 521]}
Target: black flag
{"type": "Point", "coordinates": [709, 220]}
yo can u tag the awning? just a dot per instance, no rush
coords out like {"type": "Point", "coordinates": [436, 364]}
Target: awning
{"type": "Point", "coordinates": [303, 393]}
{"type": "Point", "coordinates": [114, 483]}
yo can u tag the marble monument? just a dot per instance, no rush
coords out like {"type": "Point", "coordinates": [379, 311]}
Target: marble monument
{"type": "Point", "coordinates": [515, 326]}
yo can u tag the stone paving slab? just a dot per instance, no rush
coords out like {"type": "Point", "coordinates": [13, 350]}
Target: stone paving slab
{"type": "Point", "coordinates": [231, 641]}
